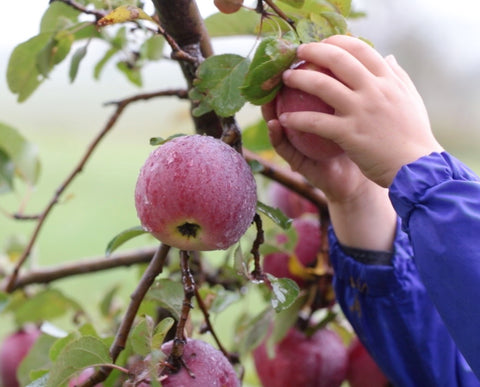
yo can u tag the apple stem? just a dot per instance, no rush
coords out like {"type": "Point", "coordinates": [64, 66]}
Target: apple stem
{"type": "Point", "coordinates": [257, 273]}
{"type": "Point", "coordinates": [179, 342]}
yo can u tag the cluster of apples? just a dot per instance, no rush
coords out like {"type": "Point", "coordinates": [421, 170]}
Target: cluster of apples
{"type": "Point", "coordinates": [321, 359]}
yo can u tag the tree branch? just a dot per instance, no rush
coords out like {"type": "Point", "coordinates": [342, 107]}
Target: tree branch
{"type": "Point", "coordinates": [153, 270]}
{"type": "Point", "coordinates": [92, 265]}
{"type": "Point", "coordinates": [288, 179]}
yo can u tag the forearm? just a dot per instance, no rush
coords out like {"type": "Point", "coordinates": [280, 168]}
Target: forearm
{"type": "Point", "coordinates": [366, 221]}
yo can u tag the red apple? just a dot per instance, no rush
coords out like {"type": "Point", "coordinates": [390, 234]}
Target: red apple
{"type": "Point", "coordinates": [293, 100]}
{"type": "Point", "coordinates": [362, 371]}
{"type": "Point", "coordinates": [306, 249]}
{"type": "Point", "coordinates": [13, 350]}
{"type": "Point", "coordinates": [228, 6]}
{"type": "Point", "coordinates": [292, 204]}
{"type": "Point", "coordinates": [298, 360]}
{"type": "Point", "coordinates": [208, 365]}
{"type": "Point", "coordinates": [196, 193]}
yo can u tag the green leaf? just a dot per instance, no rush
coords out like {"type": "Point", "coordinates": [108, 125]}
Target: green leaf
{"type": "Point", "coordinates": [107, 301]}
{"type": "Point", "coordinates": [75, 62]}
{"type": "Point", "coordinates": [284, 292]}
{"type": "Point", "coordinates": [255, 137]}
{"type": "Point", "coordinates": [343, 6]}
{"type": "Point", "coordinates": [169, 295]}
{"type": "Point", "coordinates": [276, 215]}
{"type": "Point", "coordinates": [131, 72]}
{"type": "Point", "coordinates": [54, 52]}
{"type": "Point", "coordinates": [23, 76]}
{"type": "Point", "coordinates": [251, 332]}
{"type": "Point", "coordinates": [40, 382]}
{"type": "Point", "coordinates": [141, 336]}
{"type": "Point", "coordinates": [4, 299]}
{"type": "Point", "coordinates": [243, 22]}
{"type": "Point", "coordinates": [17, 152]}
{"type": "Point", "coordinates": [58, 16]}
{"type": "Point", "coordinates": [223, 299]}
{"type": "Point", "coordinates": [7, 171]}
{"type": "Point", "coordinates": [152, 48]}
{"type": "Point", "coordinates": [219, 78]}
{"type": "Point", "coordinates": [123, 237]}
{"type": "Point", "coordinates": [264, 77]}
{"type": "Point", "coordinates": [46, 305]}
{"type": "Point", "coordinates": [160, 140]}
{"type": "Point", "coordinates": [97, 70]}
{"type": "Point", "coordinates": [79, 354]}
{"type": "Point", "coordinates": [161, 330]}
{"type": "Point", "coordinates": [35, 360]}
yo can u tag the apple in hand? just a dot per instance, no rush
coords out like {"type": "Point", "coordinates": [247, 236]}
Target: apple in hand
{"type": "Point", "coordinates": [14, 348]}
{"type": "Point", "coordinates": [196, 193]}
{"type": "Point", "coordinates": [294, 100]}
{"type": "Point", "coordinates": [208, 365]}
{"type": "Point", "coordinates": [306, 249]}
{"type": "Point", "coordinates": [298, 360]}
{"type": "Point", "coordinates": [291, 203]}
{"type": "Point", "coordinates": [362, 371]}
{"type": "Point", "coordinates": [228, 6]}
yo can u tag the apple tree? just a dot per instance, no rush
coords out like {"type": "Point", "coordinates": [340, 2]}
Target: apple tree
{"type": "Point", "coordinates": [231, 226]}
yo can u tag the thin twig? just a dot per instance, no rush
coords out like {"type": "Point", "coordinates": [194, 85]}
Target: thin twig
{"type": "Point", "coordinates": [289, 179]}
{"type": "Point", "coordinates": [85, 266]}
{"type": "Point", "coordinates": [257, 273]}
{"type": "Point", "coordinates": [120, 106]}
{"type": "Point", "coordinates": [153, 270]}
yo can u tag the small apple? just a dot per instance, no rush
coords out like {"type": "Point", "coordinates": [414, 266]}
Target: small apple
{"type": "Point", "coordinates": [228, 6]}
{"type": "Point", "coordinates": [362, 371]}
{"type": "Point", "coordinates": [293, 100]}
{"type": "Point", "coordinates": [207, 364]}
{"type": "Point", "coordinates": [196, 193]}
{"type": "Point", "coordinates": [13, 350]}
{"type": "Point", "coordinates": [306, 249]}
{"type": "Point", "coordinates": [292, 204]}
{"type": "Point", "coordinates": [298, 360]}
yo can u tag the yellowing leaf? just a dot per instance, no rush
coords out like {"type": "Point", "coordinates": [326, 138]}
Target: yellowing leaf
{"type": "Point", "coordinates": [123, 14]}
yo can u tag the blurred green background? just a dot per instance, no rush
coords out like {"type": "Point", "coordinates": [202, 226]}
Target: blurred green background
{"type": "Point", "coordinates": [439, 49]}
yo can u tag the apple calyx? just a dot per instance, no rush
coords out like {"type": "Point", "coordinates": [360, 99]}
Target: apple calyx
{"type": "Point", "coordinates": [188, 229]}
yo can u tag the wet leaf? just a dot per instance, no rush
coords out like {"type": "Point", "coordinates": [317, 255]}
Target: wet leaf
{"type": "Point", "coordinates": [218, 83]}
{"type": "Point", "coordinates": [284, 292]}
{"type": "Point", "coordinates": [264, 77]}
{"type": "Point", "coordinates": [276, 215]}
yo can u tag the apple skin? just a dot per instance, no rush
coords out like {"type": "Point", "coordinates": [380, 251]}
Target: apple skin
{"type": "Point", "coordinates": [316, 361]}
{"type": "Point", "coordinates": [294, 100]}
{"type": "Point", "coordinates": [83, 377]}
{"type": "Point", "coordinates": [210, 367]}
{"type": "Point", "coordinates": [228, 6]}
{"type": "Point", "coordinates": [196, 193]}
{"type": "Point", "coordinates": [14, 348]}
{"type": "Point", "coordinates": [362, 371]}
{"type": "Point", "coordinates": [306, 249]}
{"type": "Point", "coordinates": [292, 204]}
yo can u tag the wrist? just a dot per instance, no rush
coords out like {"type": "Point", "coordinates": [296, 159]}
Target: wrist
{"type": "Point", "coordinates": [365, 220]}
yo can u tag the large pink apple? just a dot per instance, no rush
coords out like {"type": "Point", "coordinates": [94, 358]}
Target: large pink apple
{"type": "Point", "coordinates": [362, 371]}
{"type": "Point", "coordinates": [13, 350]}
{"type": "Point", "coordinates": [299, 360]}
{"type": "Point", "coordinates": [208, 365]}
{"type": "Point", "coordinates": [306, 249]}
{"type": "Point", "coordinates": [291, 203]}
{"type": "Point", "coordinates": [196, 193]}
{"type": "Point", "coordinates": [293, 100]}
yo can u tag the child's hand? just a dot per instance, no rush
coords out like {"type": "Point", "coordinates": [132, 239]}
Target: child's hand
{"type": "Point", "coordinates": [380, 119]}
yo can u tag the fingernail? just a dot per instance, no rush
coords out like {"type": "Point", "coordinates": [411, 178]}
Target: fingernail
{"type": "Point", "coordinates": [282, 118]}
{"type": "Point", "coordinates": [286, 74]}
{"type": "Point", "coordinates": [391, 59]}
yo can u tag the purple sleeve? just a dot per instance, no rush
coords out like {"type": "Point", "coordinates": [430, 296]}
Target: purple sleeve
{"type": "Point", "coordinates": [438, 199]}
{"type": "Point", "coordinates": [395, 319]}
